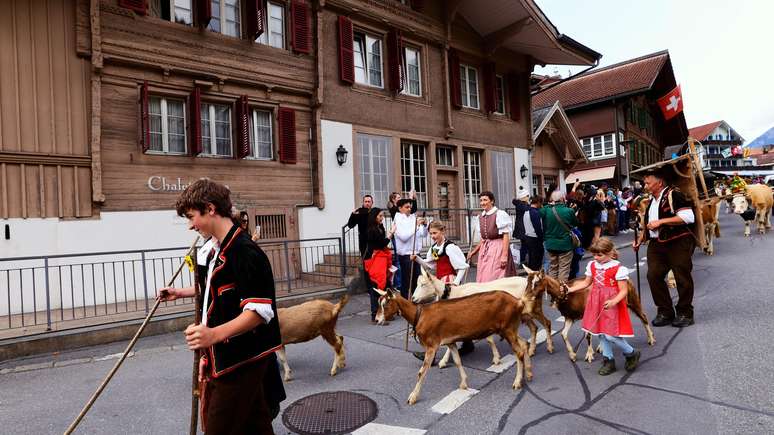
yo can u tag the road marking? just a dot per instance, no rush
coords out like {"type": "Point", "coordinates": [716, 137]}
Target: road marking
{"type": "Point", "coordinates": [559, 319]}
{"type": "Point", "coordinates": [453, 401]}
{"type": "Point", "coordinates": [505, 363]}
{"type": "Point", "coordinates": [383, 429]}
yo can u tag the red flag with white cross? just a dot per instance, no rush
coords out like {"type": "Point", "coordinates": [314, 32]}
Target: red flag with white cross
{"type": "Point", "coordinates": [671, 104]}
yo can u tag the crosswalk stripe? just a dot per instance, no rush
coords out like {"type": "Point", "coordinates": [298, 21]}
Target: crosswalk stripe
{"type": "Point", "coordinates": [383, 429]}
{"type": "Point", "coordinates": [453, 401]}
{"type": "Point", "coordinates": [505, 363]}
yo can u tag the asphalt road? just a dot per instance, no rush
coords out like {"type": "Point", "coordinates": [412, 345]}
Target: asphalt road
{"type": "Point", "coordinates": [713, 377]}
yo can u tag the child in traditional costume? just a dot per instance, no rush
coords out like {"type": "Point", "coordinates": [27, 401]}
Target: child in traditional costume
{"type": "Point", "coordinates": [444, 257]}
{"type": "Point", "coordinates": [606, 314]}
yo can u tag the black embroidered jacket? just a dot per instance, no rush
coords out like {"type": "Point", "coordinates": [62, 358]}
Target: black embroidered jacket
{"type": "Point", "coordinates": [241, 275]}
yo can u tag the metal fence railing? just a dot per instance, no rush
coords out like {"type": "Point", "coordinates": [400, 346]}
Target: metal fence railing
{"type": "Point", "coordinates": [94, 288]}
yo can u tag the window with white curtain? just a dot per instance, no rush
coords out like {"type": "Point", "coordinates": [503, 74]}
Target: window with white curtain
{"type": "Point", "coordinates": [411, 66]}
{"type": "Point", "coordinates": [216, 129]}
{"type": "Point", "coordinates": [368, 59]}
{"type": "Point", "coordinates": [502, 177]}
{"type": "Point", "coordinates": [599, 146]}
{"type": "Point", "coordinates": [167, 125]}
{"type": "Point", "coordinates": [274, 34]}
{"type": "Point", "coordinates": [469, 86]}
{"type": "Point", "coordinates": [261, 137]}
{"type": "Point", "coordinates": [375, 167]}
{"type": "Point", "coordinates": [472, 177]}
{"type": "Point", "coordinates": [225, 17]}
{"type": "Point", "coordinates": [413, 172]}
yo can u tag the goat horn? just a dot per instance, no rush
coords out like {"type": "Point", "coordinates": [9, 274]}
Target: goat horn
{"type": "Point", "coordinates": [380, 292]}
{"type": "Point", "coordinates": [527, 269]}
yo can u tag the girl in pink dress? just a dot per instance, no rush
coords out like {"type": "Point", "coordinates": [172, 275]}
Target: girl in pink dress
{"type": "Point", "coordinates": [606, 314]}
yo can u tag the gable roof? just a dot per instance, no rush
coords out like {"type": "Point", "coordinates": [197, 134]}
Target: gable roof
{"type": "Point", "coordinates": [566, 135]}
{"type": "Point", "coordinates": [701, 132]}
{"type": "Point", "coordinates": [624, 78]}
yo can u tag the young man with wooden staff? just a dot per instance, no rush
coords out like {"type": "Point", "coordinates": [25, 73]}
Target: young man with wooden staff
{"type": "Point", "coordinates": [239, 332]}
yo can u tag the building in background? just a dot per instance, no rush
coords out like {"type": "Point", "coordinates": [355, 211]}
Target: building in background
{"type": "Point", "coordinates": [556, 149]}
{"type": "Point", "coordinates": [723, 146]}
{"type": "Point", "coordinates": [614, 111]}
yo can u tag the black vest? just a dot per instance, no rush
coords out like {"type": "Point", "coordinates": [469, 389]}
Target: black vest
{"type": "Point", "coordinates": [242, 274]}
{"type": "Point", "coordinates": [667, 210]}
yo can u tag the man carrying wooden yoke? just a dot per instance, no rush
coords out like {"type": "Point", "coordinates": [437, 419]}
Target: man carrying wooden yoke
{"type": "Point", "coordinates": [668, 223]}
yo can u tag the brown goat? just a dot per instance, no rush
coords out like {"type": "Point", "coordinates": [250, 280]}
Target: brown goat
{"type": "Point", "coordinates": [446, 322]}
{"type": "Point", "coordinates": [572, 305]}
{"type": "Point", "coordinates": [307, 321]}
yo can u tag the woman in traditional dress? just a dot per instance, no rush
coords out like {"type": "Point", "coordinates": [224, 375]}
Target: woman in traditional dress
{"type": "Point", "coordinates": [494, 259]}
{"type": "Point", "coordinates": [377, 257]}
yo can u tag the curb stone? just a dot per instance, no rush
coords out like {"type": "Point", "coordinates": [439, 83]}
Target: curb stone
{"type": "Point", "coordinates": [37, 366]}
{"type": "Point", "coordinates": [71, 362]}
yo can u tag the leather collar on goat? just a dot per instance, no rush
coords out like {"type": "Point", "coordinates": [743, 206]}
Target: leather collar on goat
{"type": "Point", "coordinates": [416, 317]}
{"type": "Point", "coordinates": [446, 291]}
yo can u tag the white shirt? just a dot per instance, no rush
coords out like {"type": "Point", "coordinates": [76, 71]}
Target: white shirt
{"type": "Point", "coordinates": [263, 310]}
{"type": "Point", "coordinates": [404, 234]}
{"type": "Point", "coordinates": [456, 258]}
{"type": "Point", "coordinates": [686, 214]}
{"type": "Point", "coordinates": [620, 275]}
{"type": "Point", "coordinates": [503, 221]}
{"type": "Point", "coordinates": [529, 229]}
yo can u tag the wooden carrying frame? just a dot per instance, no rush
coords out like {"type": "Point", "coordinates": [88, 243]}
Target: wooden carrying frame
{"type": "Point", "coordinates": [685, 173]}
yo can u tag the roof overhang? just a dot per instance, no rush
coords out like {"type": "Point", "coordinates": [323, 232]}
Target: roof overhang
{"type": "Point", "coordinates": [520, 26]}
{"type": "Point", "coordinates": [595, 174]}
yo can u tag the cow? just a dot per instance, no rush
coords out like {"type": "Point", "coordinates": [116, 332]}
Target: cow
{"type": "Point", "coordinates": [759, 198]}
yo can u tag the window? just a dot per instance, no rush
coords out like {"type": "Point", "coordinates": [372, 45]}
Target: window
{"type": "Point", "coordinates": [261, 138]}
{"type": "Point", "coordinates": [472, 177]}
{"type": "Point", "coordinates": [413, 171]}
{"type": "Point", "coordinates": [177, 11]}
{"type": "Point", "coordinates": [469, 87]}
{"type": "Point", "coordinates": [444, 156]}
{"type": "Point", "coordinates": [167, 125]}
{"type": "Point", "coordinates": [216, 129]}
{"type": "Point", "coordinates": [413, 85]}
{"type": "Point", "coordinates": [549, 181]}
{"type": "Point", "coordinates": [275, 34]}
{"type": "Point", "coordinates": [535, 185]}
{"type": "Point", "coordinates": [375, 167]}
{"type": "Point", "coordinates": [499, 95]}
{"type": "Point", "coordinates": [368, 60]}
{"type": "Point", "coordinates": [271, 226]}
{"type": "Point", "coordinates": [225, 17]}
{"type": "Point", "coordinates": [599, 146]}
{"type": "Point", "coordinates": [502, 176]}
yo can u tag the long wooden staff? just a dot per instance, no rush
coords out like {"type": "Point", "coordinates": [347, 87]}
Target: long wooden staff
{"type": "Point", "coordinates": [195, 391]}
{"type": "Point", "coordinates": [113, 371]}
{"type": "Point", "coordinates": [411, 272]}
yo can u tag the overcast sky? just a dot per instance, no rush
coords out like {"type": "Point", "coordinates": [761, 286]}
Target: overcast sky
{"type": "Point", "coordinates": [722, 51]}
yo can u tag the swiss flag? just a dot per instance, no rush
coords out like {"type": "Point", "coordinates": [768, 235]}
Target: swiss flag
{"type": "Point", "coordinates": [671, 104]}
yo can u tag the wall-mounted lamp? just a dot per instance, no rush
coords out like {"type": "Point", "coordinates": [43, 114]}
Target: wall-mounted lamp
{"type": "Point", "coordinates": [523, 171]}
{"type": "Point", "coordinates": [341, 155]}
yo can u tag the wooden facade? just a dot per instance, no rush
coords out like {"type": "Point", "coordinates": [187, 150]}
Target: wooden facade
{"type": "Point", "coordinates": [430, 119]}
{"type": "Point", "coordinates": [45, 160]}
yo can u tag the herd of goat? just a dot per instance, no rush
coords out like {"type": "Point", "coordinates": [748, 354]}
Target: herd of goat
{"type": "Point", "coordinates": [495, 308]}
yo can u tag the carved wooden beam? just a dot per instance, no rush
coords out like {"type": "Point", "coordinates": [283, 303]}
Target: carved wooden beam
{"type": "Point", "coordinates": [494, 40]}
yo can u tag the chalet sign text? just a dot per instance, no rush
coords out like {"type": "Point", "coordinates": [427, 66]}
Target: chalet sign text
{"type": "Point", "coordinates": [157, 183]}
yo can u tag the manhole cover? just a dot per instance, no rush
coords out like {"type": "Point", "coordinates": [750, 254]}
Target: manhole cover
{"type": "Point", "coordinates": [330, 413]}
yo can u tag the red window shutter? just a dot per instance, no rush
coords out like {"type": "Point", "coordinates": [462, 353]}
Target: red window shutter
{"type": "Point", "coordinates": [144, 117]}
{"type": "Point", "coordinates": [346, 51]}
{"type": "Point", "coordinates": [255, 18]}
{"type": "Point", "coordinates": [195, 104]}
{"type": "Point", "coordinates": [395, 60]}
{"type": "Point", "coordinates": [243, 132]}
{"type": "Point", "coordinates": [299, 14]}
{"type": "Point", "coordinates": [286, 124]}
{"type": "Point", "coordinates": [418, 5]}
{"type": "Point", "coordinates": [490, 94]}
{"type": "Point", "coordinates": [140, 7]}
{"type": "Point", "coordinates": [514, 95]}
{"type": "Point", "coordinates": [203, 12]}
{"type": "Point", "coordinates": [454, 79]}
